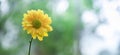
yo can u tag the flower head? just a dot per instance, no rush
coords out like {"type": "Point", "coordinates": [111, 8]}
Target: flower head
{"type": "Point", "coordinates": [36, 23]}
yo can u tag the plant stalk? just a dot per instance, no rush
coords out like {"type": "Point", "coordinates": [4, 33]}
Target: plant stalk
{"type": "Point", "coordinates": [30, 46]}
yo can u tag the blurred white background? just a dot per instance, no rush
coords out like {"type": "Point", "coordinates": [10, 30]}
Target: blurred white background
{"type": "Point", "coordinates": [101, 35]}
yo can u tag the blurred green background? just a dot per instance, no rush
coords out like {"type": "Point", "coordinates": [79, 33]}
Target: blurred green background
{"type": "Point", "coordinates": [80, 27]}
{"type": "Point", "coordinates": [63, 40]}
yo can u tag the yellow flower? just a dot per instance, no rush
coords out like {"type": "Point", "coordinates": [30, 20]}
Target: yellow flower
{"type": "Point", "coordinates": [36, 23]}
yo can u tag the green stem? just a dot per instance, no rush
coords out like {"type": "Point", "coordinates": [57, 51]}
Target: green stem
{"type": "Point", "coordinates": [30, 46]}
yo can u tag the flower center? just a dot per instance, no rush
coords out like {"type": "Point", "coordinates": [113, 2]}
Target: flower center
{"type": "Point", "coordinates": [36, 24]}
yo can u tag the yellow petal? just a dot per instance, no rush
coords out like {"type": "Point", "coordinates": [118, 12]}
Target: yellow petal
{"type": "Point", "coordinates": [45, 34]}
{"type": "Point", "coordinates": [28, 24]}
{"type": "Point", "coordinates": [49, 28]}
{"type": "Point", "coordinates": [33, 35]}
{"type": "Point", "coordinates": [30, 30]}
{"type": "Point", "coordinates": [40, 38]}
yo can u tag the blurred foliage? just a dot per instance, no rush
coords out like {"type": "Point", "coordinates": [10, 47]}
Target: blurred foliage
{"type": "Point", "coordinates": [86, 4]}
{"type": "Point", "coordinates": [60, 40]}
